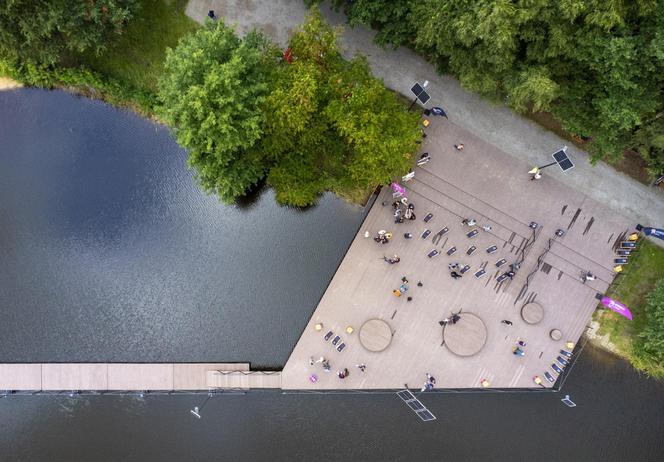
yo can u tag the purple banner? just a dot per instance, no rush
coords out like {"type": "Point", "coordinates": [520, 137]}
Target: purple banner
{"type": "Point", "coordinates": [616, 306]}
{"type": "Point", "coordinates": [397, 188]}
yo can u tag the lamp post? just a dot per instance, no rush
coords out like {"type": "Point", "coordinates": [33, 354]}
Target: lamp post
{"type": "Point", "coordinates": [196, 411]}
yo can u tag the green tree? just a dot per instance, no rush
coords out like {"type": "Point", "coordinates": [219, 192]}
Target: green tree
{"type": "Point", "coordinates": [649, 140]}
{"type": "Point", "coordinates": [382, 135]}
{"type": "Point", "coordinates": [597, 65]}
{"type": "Point", "coordinates": [330, 124]}
{"type": "Point", "coordinates": [41, 30]}
{"type": "Point", "coordinates": [649, 346]}
{"type": "Point", "coordinates": [213, 94]}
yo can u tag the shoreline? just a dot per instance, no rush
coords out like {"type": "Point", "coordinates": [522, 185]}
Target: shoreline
{"type": "Point", "coordinates": [9, 84]}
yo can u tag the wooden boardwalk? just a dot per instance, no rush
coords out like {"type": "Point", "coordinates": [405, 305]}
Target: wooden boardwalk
{"type": "Point", "coordinates": [111, 376]}
{"type": "Point", "coordinates": [484, 183]}
{"type": "Point", "coordinates": [243, 380]}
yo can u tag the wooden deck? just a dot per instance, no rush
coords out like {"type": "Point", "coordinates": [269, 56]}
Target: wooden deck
{"type": "Point", "coordinates": [111, 376]}
{"type": "Point", "coordinates": [484, 183]}
{"type": "Point", "coordinates": [243, 380]}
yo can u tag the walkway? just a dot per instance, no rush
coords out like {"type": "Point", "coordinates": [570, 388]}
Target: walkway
{"type": "Point", "coordinates": [496, 125]}
{"type": "Point", "coordinates": [112, 376]}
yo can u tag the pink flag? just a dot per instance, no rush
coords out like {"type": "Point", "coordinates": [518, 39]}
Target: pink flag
{"type": "Point", "coordinates": [617, 307]}
{"type": "Point", "coordinates": [397, 188]}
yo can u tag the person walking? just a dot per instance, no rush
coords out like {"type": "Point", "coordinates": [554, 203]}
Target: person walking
{"type": "Point", "coordinates": [361, 367]}
{"type": "Point", "coordinates": [458, 147]}
{"type": "Point", "coordinates": [505, 321]}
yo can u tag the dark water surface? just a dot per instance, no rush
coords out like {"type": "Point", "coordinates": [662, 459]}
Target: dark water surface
{"type": "Point", "coordinates": [619, 417]}
{"type": "Point", "coordinates": [109, 252]}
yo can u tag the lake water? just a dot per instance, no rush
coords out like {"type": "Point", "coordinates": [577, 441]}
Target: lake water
{"type": "Point", "coordinates": [109, 252]}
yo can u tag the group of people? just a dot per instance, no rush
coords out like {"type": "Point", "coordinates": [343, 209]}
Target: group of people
{"type": "Point", "coordinates": [453, 267]}
{"type": "Point", "coordinates": [429, 384]}
{"type": "Point", "coordinates": [402, 288]}
{"type": "Point", "coordinates": [383, 237]}
{"type": "Point", "coordinates": [403, 210]}
{"type": "Point", "coordinates": [518, 349]}
{"type": "Point", "coordinates": [454, 319]}
{"type": "Point", "coordinates": [324, 362]}
{"type": "Point", "coordinates": [342, 373]}
{"type": "Point", "coordinates": [392, 260]}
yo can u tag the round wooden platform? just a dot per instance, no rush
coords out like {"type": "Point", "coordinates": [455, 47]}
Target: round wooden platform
{"type": "Point", "coordinates": [375, 335]}
{"type": "Point", "coordinates": [555, 334]}
{"type": "Point", "coordinates": [467, 336]}
{"type": "Point", "coordinates": [532, 313]}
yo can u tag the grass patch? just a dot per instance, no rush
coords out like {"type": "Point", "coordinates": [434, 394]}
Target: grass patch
{"type": "Point", "coordinates": [136, 57]}
{"type": "Point", "coordinates": [645, 268]}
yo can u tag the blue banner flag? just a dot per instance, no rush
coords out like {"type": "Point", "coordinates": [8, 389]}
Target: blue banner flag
{"type": "Point", "coordinates": [655, 232]}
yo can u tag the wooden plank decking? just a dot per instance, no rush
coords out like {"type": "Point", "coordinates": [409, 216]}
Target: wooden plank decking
{"type": "Point", "coordinates": [484, 183]}
{"type": "Point", "coordinates": [111, 376]}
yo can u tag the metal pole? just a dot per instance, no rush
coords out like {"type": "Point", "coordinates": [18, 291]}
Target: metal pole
{"type": "Point", "coordinates": [547, 165]}
{"type": "Point", "coordinates": [412, 104]}
{"type": "Point", "coordinates": [196, 411]}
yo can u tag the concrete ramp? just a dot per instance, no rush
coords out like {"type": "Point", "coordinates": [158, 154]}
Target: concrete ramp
{"type": "Point", "coordinates": [243, 380]}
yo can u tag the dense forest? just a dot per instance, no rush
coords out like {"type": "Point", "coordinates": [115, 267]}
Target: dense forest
{"type": "Point", "coordinates": [596, 65]}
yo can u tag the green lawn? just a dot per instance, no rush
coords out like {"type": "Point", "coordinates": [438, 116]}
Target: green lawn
{"type": "Point", "coordinates": [645, 268]}
{"type": "Point", "coordinates": [136, 58]}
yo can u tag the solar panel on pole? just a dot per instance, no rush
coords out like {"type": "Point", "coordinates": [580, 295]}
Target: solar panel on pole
{"type": "Point", "coordinates": [420, 93]}
{"type": "Point", "coordinates": [564, 162]}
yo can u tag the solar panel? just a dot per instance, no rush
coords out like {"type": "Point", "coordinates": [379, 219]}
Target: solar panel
{"type": "Point", "coordinates": [563, 160]}
{"type": "Point", "coordinates": [417, 89]}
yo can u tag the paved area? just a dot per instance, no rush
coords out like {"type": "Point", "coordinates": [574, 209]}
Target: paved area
{"type": "Point", "coordinates": [484, 183]}
{"type": "Point", "coordinates": [494, 124]}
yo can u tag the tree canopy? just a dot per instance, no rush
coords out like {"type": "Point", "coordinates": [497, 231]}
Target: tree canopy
{"type": "Point", "coordinates": [336, 125]}
{"type": "Point", "coordinates": [313, 124]}
{"type": "Point", "coordinates": [649, 346]}
{"type": "Point", "coordinates": [41, 30]}
{"type": "Point", "coordinates": [597, 65]}
{"type": "Point", "coordinates": [212, 94]}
